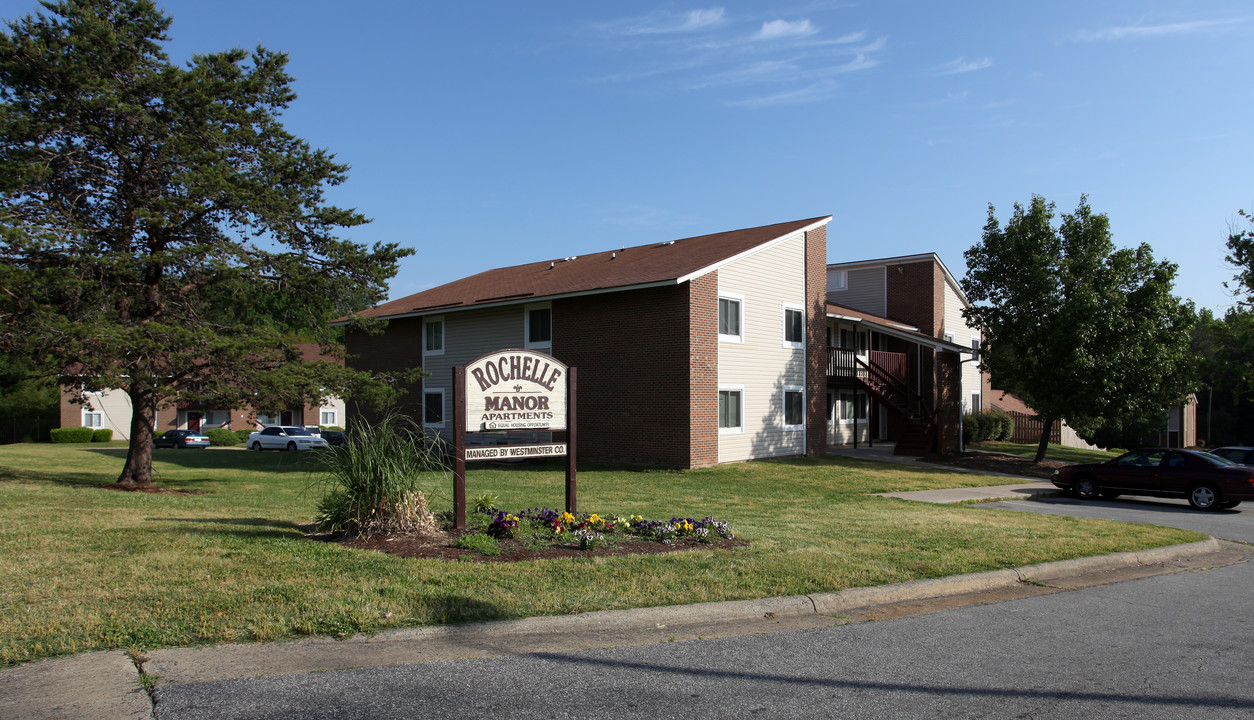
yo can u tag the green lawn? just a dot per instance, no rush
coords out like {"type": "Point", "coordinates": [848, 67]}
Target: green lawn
{"type": "Point", "coordinates": [88, 569]}
{"type": "Point", "coordinates": [1052, 452]}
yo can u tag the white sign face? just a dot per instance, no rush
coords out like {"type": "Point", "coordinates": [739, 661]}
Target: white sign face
{"type": "Point", "coordinates": [515, 390]}
{"type": "Point", "coordinates": [503, 452]}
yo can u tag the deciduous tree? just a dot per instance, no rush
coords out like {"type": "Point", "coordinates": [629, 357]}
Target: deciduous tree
{"type": "Point", "coordinates": [1078, 329]}
{"type": "Point", "coordinates": [162, 232]}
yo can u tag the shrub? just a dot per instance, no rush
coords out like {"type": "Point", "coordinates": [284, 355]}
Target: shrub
{"type": "Point", "coordinates": [374, 481]}
{"type": "Point", "coordinates": [71, 435]}
{"type": "Point", "coordinates": [1007, 426]}
{"type": "Point", "coordinates": [243, 434]}
{"type": "Point", "coordinates": [221, 437]}
{"type": "Point", "coordinates": [972, 428]}
{"type": "Point", "coordinates": [102, 435]}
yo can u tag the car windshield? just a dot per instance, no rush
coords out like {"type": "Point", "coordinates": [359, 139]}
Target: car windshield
{"type": "Point", "coordinates": [295, 431]}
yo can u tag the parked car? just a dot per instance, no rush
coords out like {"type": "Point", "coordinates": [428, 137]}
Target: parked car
{"type": "Point", "coordinates": [284, 437]}
{"type": "Point", "coordinates": [181, 439]}
{"type": "Point", "coordinates": [334, 438]}
{"type": "Point", "coordinates": [1209, 482]}
{"type": "Point", "coordinates": [1238, 455]}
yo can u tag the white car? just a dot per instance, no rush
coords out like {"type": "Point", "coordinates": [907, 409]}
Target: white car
{"type": "Point", "coordinates": [284, 437]}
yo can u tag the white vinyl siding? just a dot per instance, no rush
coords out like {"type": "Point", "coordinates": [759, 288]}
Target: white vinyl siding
{"type": "Point", "coordinates": [967, 337]}
{"type": "Point", "coordinates": [767, 281]}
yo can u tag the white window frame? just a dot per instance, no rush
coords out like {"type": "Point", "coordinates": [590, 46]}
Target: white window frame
{"type": "Point", "coordinates": [93, 419]}
{"type": "Point", "coordinates": [799, 309]}
{"type": "Point", "coordinates": [838, 280]}
{"type": "Point", "coordinates": [949, 336]}
{"type": "Point", "coordinates": [788, 389]}
{"type": "Point", "coordinates": [975, 347]}
{"type": "Point", "coordinates": [443, 414]}
{"type": "Point", "coordinates": [740, 305]}
{"type": "Point", "coordinates": [739, 429]}
{"type": "Point", "coordinates": [333, 414]}
{"type": "Point", "coordinates": [428, 323]}
{"type": "Point", "coordinates": [540, 344]}
{"type": "Point", "coordinates": [840, 407]}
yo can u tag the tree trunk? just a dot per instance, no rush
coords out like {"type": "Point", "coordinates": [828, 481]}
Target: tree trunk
{"type": "Point", "coordinates": [1047, 425]}
{"type": "Point", "coordinates": [138, 468]}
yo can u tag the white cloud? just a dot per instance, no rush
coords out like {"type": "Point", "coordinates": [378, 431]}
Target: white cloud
{"type": "Point", "coordinates": [661, 23]}
{"type": "Point", "coordinates": [1149, 31]}
{"type": "Point", "coordinates": [962, 65]}
{"type": "Point", "coordinates": [776, 29]}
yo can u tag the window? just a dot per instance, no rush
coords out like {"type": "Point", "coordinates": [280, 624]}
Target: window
{"type": "Point", "coordinates": [853, 406]}
{"type": "Point", "coordinates": [794, 408]}
{"type": "Point", "coordinates": [93, 419]}
{"type": "Point", "coordinates": [829, 335]}
{"type": "Point", "coordinates": [837, 280]}
{"type": "Point", "coordinates": [731, 314]}
{"type": "Point", "coordinates": [539, 330]}
{"type": "Point", "coordinates": [949, 337]}
{"type": "Point", "coordinates": [731, 410]}
{"type": "Point", "coordinates": [433, 332]}
{"type": "Point", "coordinates": [329, 417]}
{"type": "Point", "coordinates": [794, 326]}
{"type": "Point", "coordinates": [433, 407]}
{"type": "Point", "coordinates": [831, 407]}
{"type": "Point", "coordinates": [975, 348]}
{"type": "Point", "coordinates": [975, 402]}
{"type": "Point", "coordinates": [854, 340]}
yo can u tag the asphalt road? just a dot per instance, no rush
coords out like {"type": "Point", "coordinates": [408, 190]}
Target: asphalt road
{"type": "Point", "coordinates": [1236, 524]}
{"type": "Point", "coordinates": [1170, 646]}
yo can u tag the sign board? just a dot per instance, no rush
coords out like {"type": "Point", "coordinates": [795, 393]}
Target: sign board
{"type": "Point", "coordinates": [515, 390]}
{"type": "Point", "coordinates": [514, 452]}
{"type": "Point", "coordinates": [512, 391]}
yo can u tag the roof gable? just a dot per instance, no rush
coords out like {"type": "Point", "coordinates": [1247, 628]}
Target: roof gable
{"type": "Point", "coordinates": [670, 262]}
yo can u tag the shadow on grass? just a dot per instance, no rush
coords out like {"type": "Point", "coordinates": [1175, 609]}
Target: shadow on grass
{"type": "Point", "coordinates": [263, 527]}
{"type": "Point", "coordinates": [69, 479]}
{"type": "Point", "coordinates": [225, 459]}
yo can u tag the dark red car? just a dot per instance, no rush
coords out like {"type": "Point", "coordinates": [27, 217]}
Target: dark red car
{"type": "Point", "coordinates": [1207, 481]}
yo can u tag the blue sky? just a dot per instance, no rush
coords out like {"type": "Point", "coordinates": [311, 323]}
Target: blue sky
{"type": "Point", "coordinates": [487, 134]}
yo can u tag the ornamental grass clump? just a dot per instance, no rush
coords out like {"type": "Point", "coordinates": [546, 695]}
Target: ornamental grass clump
{"type": "Point", "coordinates": [374, 481]}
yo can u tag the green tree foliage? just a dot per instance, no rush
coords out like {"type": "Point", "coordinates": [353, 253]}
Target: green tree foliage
{"type": "Point", "coordinates": [1241, 256]}
{"type": "Point", "coordinates": [162, 232]}
{"type": "Point", "coordinates": [1079, 330]}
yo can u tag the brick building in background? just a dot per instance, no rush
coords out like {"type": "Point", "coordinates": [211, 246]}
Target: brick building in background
{"type": "Point", "coordinates": [111, 409]}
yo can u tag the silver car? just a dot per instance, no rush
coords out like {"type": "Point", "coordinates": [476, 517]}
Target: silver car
{"type": "Point", "coordinates": [284, 437]}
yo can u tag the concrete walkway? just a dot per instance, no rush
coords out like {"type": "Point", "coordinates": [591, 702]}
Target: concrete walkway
{"type": "Point", "coordinates": [1025, 488]}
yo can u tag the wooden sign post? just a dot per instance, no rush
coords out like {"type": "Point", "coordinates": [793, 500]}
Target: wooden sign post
{"type": "Point", "coordinates": [512, 391]}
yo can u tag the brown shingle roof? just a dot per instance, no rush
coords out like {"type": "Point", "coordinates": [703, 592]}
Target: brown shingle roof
{"type": "Point", "coordinates": [613, 269]}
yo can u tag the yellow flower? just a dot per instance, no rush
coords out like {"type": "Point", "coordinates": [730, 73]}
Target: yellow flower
{"type": "Point", "coordinates": [567, 518]}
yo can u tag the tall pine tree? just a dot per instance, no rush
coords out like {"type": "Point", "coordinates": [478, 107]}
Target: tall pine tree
{"type": "Point", "coordinates": [162, 232]}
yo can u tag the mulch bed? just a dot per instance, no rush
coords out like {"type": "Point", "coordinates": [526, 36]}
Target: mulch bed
{"type": "Point", "coordinates": [999, 462]}
{"type": "Point", "coordinates": [441, 548]}
{"type": "Point", "coordinates": [152, 489]}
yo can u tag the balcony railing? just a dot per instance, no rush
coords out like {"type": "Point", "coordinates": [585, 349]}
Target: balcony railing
{"type": "Point", "coordinates": [844, 363]}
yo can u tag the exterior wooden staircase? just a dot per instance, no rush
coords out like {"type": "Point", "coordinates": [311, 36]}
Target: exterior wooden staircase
{"type": "Point", "coordinates": [882, 377]}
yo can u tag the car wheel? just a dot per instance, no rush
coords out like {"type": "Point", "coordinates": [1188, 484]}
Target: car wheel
{"type": "Point", "coordinates": [1204, 496]}
{"type": "Point", "coordinates": [1229, 504]}
{"type": "Point", "coordinates": [291, 447]}
{"type": "Point", "coordinates": [257, 445]}
{"type": "Point", "coordinates": [1085, 488]}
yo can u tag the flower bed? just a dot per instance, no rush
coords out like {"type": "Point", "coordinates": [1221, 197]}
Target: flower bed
{"type": "Point", "coordinates": [542, 533]}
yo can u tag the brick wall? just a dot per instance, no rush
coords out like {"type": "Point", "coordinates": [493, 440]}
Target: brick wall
{"type": "Point", "coordinates": [703, 370]}
{"type": "Point", "coordinates": [816, 341]}
{"type": "Point", "coordinates": [393, 349]}
{"type": "Point", "coordinates": [635, 394]}
{"type": "Point", "coordinates": [948, 402]}
{"type": "Point", "coordinates": [916, 295]}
